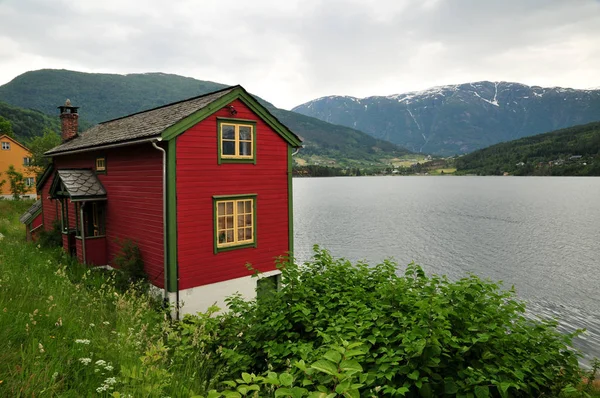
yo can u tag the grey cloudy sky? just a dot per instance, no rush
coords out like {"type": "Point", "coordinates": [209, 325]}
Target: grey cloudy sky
{"type": "Point", "coordinates": [292, 51]}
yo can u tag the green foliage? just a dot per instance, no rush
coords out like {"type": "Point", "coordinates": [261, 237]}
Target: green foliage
{"type": "Point", "coordinates": [6, 127]}
{"type": "Point", "coordinates": [130, 266]}
{"type": "Point", "coordinates": [418, 335]}
{"type": "Point", "coordinates": [28, 123]}
{"type": "Point", "coordinates": [38, 145]}
{"type": "Point", "coordinates": [51, 238]}
{"type": "Point", "coordinates": [544, 154]}
{"type": "Point", "coordinates": [16, 181]}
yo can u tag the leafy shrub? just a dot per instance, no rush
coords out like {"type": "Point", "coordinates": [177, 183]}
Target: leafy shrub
{"type": "Point", "coordinates": [130, 267]}
{"type": "Point", "coordinates": [421, 335]}
{"type": "Point", "coordinates": [51, 238]}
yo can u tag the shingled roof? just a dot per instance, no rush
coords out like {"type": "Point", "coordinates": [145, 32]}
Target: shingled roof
{"type": "Point", "coordinates": [80, 184]}
{"type": "Point", "coordinates": [31, 213]}
{"type": "Point", "coordinates": [145, 124]}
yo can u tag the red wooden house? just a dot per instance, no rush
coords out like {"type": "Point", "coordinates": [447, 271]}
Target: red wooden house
{"type": "Point", "coordinates": [202, 186]}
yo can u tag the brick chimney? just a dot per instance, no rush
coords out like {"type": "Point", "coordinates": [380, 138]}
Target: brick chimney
{"type": "Point", "coordinates": [68, 119]}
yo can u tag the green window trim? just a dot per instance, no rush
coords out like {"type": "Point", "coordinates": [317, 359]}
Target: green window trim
{"type": "Point", "coordinates": [235, 158]}
{"type": "Point", "coordinates": [223, 198]}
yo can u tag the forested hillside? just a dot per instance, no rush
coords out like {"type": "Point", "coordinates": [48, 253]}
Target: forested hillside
{"type": "Point", "coordinates": [27, 123]}
{"type": "Point", "coordinates": [572, 151]}
{"type": "Point", "coordinates": [107, 96]}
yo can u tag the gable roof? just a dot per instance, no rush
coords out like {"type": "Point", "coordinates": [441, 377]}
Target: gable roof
{"type": "Point", "coordinates": [80, 184]}
{"type": "Point", "coordinates": [8, 137]}
{"type": "Point", "coordinates": [32, 212]}
{"type": "Point", "coordinates": [167, 122]}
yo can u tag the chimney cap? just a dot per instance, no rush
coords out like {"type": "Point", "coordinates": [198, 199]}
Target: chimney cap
{"type": "Point", "coordinates": [67, 108]}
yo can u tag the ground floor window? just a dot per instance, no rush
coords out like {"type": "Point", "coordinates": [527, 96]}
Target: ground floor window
{"type": "Point", "coordinates": [235, 220]}
{"type": "Point", "coordinates": [29, 181]}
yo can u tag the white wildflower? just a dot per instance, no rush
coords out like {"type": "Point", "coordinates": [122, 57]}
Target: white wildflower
{"type": "Point", "coordinates": [54, 375]}
{"type": "Point", "coordinates": [110, 381]}
{"type": "Point", "coordinates": [108, 367]}
{"type": "Point", "coordinates": [85, 361]}
{"type": "Point", "coordinates": [92, 325]}
{"type": "Point", "coordinates": [106, 323]}
{"type": "Point", "coordinates": [82, 341]}
{"type": "Point", "coordinates": [102, 388]}
{"type": "Point", "coordinates": [41, 347]}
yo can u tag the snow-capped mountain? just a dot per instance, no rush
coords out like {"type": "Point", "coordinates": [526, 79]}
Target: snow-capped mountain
{"type": "Point", "coordinates": [460, 118]}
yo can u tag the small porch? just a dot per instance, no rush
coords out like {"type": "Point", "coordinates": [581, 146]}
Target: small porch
{"type": "Point", "coordinates": [80, 192]}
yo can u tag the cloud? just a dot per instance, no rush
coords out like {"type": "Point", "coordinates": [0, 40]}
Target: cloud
{"type": "Point", "coordinates": [292, 51]}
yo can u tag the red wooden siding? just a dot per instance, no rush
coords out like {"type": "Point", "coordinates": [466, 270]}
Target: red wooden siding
{"type": "Point", "coordinates": [199, 177]}
{"type": "Point", "coordinates": [49, 211]}
{"type": "Point", "coordinates": [37, 221]}
{"type": "Point", "coordinates": [133, 182]}
{"type": "Point", "coordinates": [95, 251]}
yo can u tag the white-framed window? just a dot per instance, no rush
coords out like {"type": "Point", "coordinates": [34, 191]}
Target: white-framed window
{"type": "Point", "coordinates": [29, 181]}
{"type": "Point", "coordinates": [235, 221]}
{"type": "Point", "coordinates": [5, 146]}
{"type": "Point", "coordinates": [27, 161]}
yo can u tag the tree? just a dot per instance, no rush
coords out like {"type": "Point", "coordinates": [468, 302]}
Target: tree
{"type": "Point", "coordinates": [39, 145]}
{"type": "Point", "coordinates": [6, 127]}
{"type": "Point", "coordinates": [17, 182]}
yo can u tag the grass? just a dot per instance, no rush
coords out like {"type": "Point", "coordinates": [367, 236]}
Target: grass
{"type": "Point", "coordinates": [66, 331]}
{"type": "Point", "coordinates": [439, 171]}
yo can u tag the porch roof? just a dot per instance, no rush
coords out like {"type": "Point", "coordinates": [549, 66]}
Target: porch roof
{"type": "Point", "coordinates": [78, 184]}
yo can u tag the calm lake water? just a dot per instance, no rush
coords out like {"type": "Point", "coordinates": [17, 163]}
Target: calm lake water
{"type": "Point", "coordinates": [541, 235]}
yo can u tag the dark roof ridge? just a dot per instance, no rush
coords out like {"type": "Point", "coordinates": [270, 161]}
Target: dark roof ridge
{"type": "Point", "coordinates": [172, 103]}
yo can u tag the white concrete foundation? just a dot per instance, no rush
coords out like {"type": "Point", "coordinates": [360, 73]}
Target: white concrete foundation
{"type": "Point", "coordinates": [26, 196]}
{"type": "Point", "coordinates": [200, 298]}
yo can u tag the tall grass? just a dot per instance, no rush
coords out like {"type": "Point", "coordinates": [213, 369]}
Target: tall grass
{"type": "Point", "coordinates": [66, 331]}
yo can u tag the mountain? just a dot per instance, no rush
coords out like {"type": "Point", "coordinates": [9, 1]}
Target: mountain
{"type": "Point", "coordinates": [107, 96]}
{"type": "Point", "coordinates": [459, 118]}
{"type": "Point", "coordinates": [570, 151]}
{"type": "Point", "coordinates": [27, 123]}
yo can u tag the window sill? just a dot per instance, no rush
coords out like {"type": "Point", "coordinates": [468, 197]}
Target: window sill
{"type": "Point", "coordinates": [90, 237]}
{"type": "Point", "coordinates": [237, 160]}
{"type": "Point", "coordinates": [235, 247]}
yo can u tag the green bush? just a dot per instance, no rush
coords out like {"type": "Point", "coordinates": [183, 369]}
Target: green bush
{"type": "Point", "coordinates": [53, 237]}
{"type": "Point", "coordinates": [421, 336]}
{"type": "Point", "coordinates": [130, 267]}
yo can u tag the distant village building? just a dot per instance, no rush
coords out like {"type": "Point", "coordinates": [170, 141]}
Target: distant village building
{"type": "Point", "coordinates": [203, 187]}
{"type": "Point", "coordinates": [16, 154]}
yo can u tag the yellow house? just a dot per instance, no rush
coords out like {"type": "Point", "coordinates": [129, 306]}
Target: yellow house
{"type": "Point", "coordinates": [14, 153]}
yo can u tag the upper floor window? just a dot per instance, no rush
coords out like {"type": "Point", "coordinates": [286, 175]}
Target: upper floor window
{"type": "Point", "coordinates": [5, 145]}
{"type": "Point", "coordinates": [29, 181]}
{"type": "Point", "coordinates": [237, 141]}
{"type": "Point", "coordinates": [101, 164]}
{"type": "Point", "coordinates": [26, 161]}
